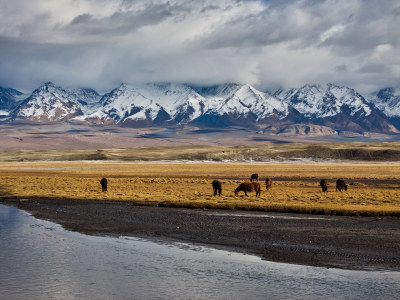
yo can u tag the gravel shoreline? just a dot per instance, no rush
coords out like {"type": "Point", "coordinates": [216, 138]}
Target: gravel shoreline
{"type": "Point", "coordinates": [359, 243]}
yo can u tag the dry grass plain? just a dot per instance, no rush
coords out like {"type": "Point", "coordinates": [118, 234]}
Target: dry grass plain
{"type": "Point", "coordinates": [374, 188]}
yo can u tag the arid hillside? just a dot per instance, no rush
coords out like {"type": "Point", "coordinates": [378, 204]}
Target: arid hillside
{"type": "Point", "coordinates": [284, 152]}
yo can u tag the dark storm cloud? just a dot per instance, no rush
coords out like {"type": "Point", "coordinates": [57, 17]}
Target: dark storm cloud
{"type": "Point", "coordinates": [374, 68]}
{"type": "Point", "coordinates": [120, 22]}
{"type": "Point", "coordinates": [210, 7]}
{"type": "Point", "coordinates": [101, 43]}
{"type": "Point", "coordinates": [82, 19]}
{"type": "Point", "coordinates": [341, 68]}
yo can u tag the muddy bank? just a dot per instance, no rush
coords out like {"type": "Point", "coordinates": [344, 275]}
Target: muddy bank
{"type": "Point", "coordinates": [328, 241]}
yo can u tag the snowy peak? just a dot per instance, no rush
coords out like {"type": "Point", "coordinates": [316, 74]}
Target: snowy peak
{"type": "Point", "coordinates": [340, 108]}
{"type": "Point", "coordinates": [128, 103]}
{"type": "Point", "coordinates": [245, 100]}
{"type": "Point", "coordinates": [52, 103]}
{"type": "Point", "coordinates": [239, 104]}
{"type": "Point", "coordinates": [231, 104]}
{"type": "Point", "coordinates": [388, 101]}
{"type": "Point", "coordinates": [321, 101]}
{"type": "Point", "coordinates": [155, 102]}
{"type": "Point", "coordinates": [177, 103]}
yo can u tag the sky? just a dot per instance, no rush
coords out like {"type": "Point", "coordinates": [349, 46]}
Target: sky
{"type": "Point", "coordinates": [269, 44]}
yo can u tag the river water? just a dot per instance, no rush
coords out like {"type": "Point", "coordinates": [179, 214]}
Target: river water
{"type": "Point", "coordinates": [41, 260]}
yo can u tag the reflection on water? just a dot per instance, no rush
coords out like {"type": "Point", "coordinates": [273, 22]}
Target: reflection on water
{"type": "Point", "coordinates": [40, 260]}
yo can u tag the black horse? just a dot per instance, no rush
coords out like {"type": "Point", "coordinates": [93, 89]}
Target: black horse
{"type": "Point", "coordinates": [324, 185]}
{"type": "Point", "coordinates": [254, 177]}
{"type": "Point", "coordinates": [103, 183]}
{"type": "Point", "coordinates": [217, 187]}
{"type": "Point", "coordinates": [341, 185]}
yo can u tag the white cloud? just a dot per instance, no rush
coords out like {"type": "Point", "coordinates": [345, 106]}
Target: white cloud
{"type": "Point", "coordinates": [331, 32]}
{"type": "Point", "coordinates": [100, 43]}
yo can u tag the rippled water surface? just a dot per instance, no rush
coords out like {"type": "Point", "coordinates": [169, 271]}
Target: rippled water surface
{"type": "Point", "coordinates": [40, 260]}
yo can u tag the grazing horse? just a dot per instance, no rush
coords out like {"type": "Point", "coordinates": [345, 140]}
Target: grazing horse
{"type": "Point", "coordinates": [254, 176]}
{"type": "Point", "coordinates": [341, 185]}
{"type": "Point", "coordinates": [248, 187]}
{"type": "Point", "coordinates": [217, 187]}
{"type": "Point", "coordinates": [324, 185]}
{"type": "Point", "coordinates": [103, 183]}
{"type": "Point", "coordinates": [268, 183]}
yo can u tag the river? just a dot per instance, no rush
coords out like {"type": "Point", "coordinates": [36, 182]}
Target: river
{"type": "Point", "coordinates": [41, 260]}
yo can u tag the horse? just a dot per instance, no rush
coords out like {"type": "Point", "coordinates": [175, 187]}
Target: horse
{"type": "Point", "coordinates": [324, 185]}
{"type": "Point", "coordinates": [103, 183]}
{"type": "Point", "coordinates": [268, 183]}
{"type": "Point", "coordinates": [341, 185]}
{"type": "Point", "coordinates": [254, 176]}
{"type": "Point", "coordinates": [248, 187]}
{"type": "Point", "coordinates": [217, 187]}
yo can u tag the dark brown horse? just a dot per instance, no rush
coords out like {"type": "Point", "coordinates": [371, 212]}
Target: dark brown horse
{"type": "Point", "coordinates": [103, 183]}
{"type": "Point", "coordinates": [217, 187]}
{"type": "Point", "coordinates": [254, 176]}
{"type": "Point", "coordinates": [324, 185]}
{"type": "Point", "coordinates": [268, 183]}
{"type": "Point", "coordinates": [341, 185]}
{"type": "Point", "coordinates": [248, 187]}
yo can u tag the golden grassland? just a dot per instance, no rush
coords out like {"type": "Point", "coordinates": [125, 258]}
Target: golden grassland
{"type": "Point", "coordinates": [374, 188]}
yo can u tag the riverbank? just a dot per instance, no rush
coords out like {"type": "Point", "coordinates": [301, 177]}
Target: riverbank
{"type": "Point", "coordinates": [348, 242]}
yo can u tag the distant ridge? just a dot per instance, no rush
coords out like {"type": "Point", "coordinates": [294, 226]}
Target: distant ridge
{"type": "Point", "coordinates": [316, 109]}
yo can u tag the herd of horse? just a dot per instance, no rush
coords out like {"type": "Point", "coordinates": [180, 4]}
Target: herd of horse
{"type": "Point", "coordinates": [253, 185]}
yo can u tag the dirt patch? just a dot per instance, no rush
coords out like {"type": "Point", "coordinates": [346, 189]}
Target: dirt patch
{"type": "Point", "coordinates": [328, 241]}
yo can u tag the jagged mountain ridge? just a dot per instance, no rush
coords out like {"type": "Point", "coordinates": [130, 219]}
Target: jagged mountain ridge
{"type": "Point", "coordinates": [338, 107]}
{"type": "Point", "coordinates": [151, 104]}
{"type": "Point", "coordinates": [388, 101]}
{"type": "Point", "coordinates": [53, 103]}
{"type": "Point", "coordinates": [321, 101]}
{"type": "Point", "coordinates": [158, 103]}
{"type": "Point", "coordinates": [164, 104]}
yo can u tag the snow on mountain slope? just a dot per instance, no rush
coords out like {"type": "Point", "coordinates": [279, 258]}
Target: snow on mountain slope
{"type": "Point", "coordinates": [231, 104]}
{"type": "Point", "coordinates": [241, 101]}
{"type": "Point", "coordinates": [247, 100]}
{"type": "Point", "coordinates": [388, 101]}
{"type": "Point", "coordinates": [86, 95]}
{"type": "Point", "coordinates": [149, 102]}
{"type": "Point", "coordinates": [321, 101]}
{"type": "Point", "coordinates": [340, 108]}
{"type": "Point", "coordinates": [52, 103]}
{"type": "Point", "coordinates": [128, 103]}
{"type": "Point", "coordinates": [215, 97]}
{"type": "Point", "coordinates": [174, 98]}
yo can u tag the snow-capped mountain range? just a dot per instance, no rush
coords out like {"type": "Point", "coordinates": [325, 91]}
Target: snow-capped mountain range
{"type": "Point", "coordinates": [169, 104]}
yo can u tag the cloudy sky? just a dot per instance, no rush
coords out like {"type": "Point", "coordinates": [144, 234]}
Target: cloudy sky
{"type": "Point", "coordinates": [270, 44]}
